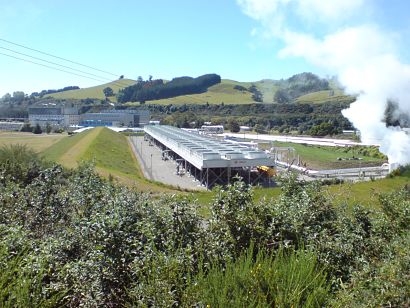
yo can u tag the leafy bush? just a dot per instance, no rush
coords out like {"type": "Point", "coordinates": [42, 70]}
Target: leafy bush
{"type": "Point", "coordinates": [19, 163]}
{"type": "Point", "coordinates": [285, 279]}
{"type": "Point", "coordinates": [71, 238]}
{"type": "Point", "coordinates": [23, 276]}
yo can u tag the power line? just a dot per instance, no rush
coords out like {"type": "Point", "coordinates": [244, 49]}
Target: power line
{"type": "Point", "coordinates": [54, 63]}
{"type": "Point", "coordinates": [100, 78]}
{"type": "Point", "coordinates": [57, 57]}
{"type": "Point", "coordinates": [54, 68]}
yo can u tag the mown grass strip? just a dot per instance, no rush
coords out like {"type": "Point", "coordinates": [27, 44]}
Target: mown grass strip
{"type": "Point", "coordinates": [69, 151]}
{"type": "Point", "coordinates": [110, 150]}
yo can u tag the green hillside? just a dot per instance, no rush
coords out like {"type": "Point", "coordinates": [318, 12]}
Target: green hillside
{"type": "Point", "coordinates": [94, 92]}
{"type": "Point", "coordinates": [217, 94]}
{"type": "Point", "coordinates": [322, 96]}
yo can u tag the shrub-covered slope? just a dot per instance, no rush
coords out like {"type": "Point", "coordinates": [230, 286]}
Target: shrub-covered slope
{"type": "Point", "coordinates": [70, 238]}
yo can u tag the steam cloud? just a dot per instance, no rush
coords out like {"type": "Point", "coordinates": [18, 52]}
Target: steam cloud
{"type": "Point", "coordinates": [362, 55]}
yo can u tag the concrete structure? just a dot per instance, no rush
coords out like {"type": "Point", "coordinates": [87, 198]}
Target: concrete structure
{"type": "Point", "coordinates": [53, 116]}
{"type": "Point", "coordinates": [70, 116]}
{"type": "Point", "coordinates": [11, 126]}
{"type": "Point", "coordinates": [212, 129]}
{"type": "Point", "coordinates": [127, 118]}
{"type": "Point", "coordinates": [210, 161]}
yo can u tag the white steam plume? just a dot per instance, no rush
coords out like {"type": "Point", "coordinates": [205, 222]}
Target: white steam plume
{"type": "Point", "coordinates": [362, 55]}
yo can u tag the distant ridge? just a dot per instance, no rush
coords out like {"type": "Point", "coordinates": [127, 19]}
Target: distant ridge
{"type": "Point", "coordinates": [227, 92]}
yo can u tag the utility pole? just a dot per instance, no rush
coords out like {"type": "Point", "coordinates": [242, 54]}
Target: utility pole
{"type": "Point", "coordinates": [151, 168]}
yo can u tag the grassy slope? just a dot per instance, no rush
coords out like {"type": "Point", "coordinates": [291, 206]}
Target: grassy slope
{"type": "Point", "coordinates": [62, 151]}
{"type": "Point", "coordinates": [217, 94]}
{"type": "Point", "coordinates": [366, 193]}
{"type": "Point", "coordinates": [322, 96]}
{"type": "Point", "coordinates": [94, 92]}
{"type": "Point", "coordinates": [110, 152]}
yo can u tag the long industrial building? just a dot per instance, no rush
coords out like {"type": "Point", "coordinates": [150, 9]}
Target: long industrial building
{"type": "Point", "coordinates": [210, 161]}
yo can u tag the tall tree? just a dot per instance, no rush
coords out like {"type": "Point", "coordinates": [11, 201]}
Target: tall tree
{"type": "Point", "coordinates": [108, 92]}
{"type": "Point", "coordinates": [37, 129]}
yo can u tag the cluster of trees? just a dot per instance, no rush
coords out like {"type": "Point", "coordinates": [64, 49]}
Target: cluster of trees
{"type": "Point", "coordinates": [13, 111]}
{"type": "Point", "coordinates": [38, 130]}
{"type": "Point", "coordinates": [257, 95]}
{"type": "Point", "coordinates": [298, 85]}
{"type": "Point", "coordinates": [325, 129]}
{"type": "Point", "coordinates": [303, 118]}
{"type": "Point", "coordinates": [70, 238]}
{"type": "Point", "coordinates": [156, 89]}
{"type": "Point", "coordinates": [19, 97]}
{"type": "Point", "coordinates": [45, 92]}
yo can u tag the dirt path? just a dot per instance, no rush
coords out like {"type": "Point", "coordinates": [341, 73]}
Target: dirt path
{"type": "Point", "coordinates": [70, 158]}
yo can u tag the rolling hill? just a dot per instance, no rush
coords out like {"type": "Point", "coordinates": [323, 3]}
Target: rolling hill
{"type": "Point", "coordinates": [223, 92]}
{"type": "Point", "coordinates": [93, 92]}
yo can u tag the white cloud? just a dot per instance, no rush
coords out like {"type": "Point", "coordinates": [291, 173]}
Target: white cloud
{"type": "Point", "coordinates": [260, 9]}
{"type": "Point", "coordinates": [347, 47]}
{"type": "Point", "coordinates": [330, 10]}
{"type": "Point", "coordinates": [361, 54]}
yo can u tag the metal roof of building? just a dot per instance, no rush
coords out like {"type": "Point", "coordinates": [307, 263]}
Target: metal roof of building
{"type": "Point", "coordinates": [204, 152]}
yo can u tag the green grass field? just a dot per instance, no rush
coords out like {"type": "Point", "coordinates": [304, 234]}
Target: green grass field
{"type": "Point", "coordinates": [322, 157]}
{"type": "Point", "coordinates": [36, 142]}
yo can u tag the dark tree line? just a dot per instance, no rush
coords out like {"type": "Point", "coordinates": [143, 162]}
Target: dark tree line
{"type": "Point", "coordinates": [156, 89]}
{"type": "Point", "coordinates": [305, 118]}
{"type": "Point", "coordinates": [52, 91]}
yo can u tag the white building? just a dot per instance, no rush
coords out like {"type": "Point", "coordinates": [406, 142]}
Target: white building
{"type": "Point", "coordinates": [11, 126]}
{"type": "Point", "coordinates": [70, 116]}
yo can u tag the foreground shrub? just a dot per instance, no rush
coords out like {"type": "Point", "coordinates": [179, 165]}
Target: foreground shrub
{"type": "Point", "coordinates": [23, 275]}
{"type": "Point", "coordinates": [285, 279]}
{"type": "Point", "coordinates": [104, 245]}
{"type": "Point", "coordinates": [19, 163]}
{"type": "Point", "coordinates": [382, 283]}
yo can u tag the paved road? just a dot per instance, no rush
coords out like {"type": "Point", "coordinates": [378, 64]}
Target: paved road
{"type": "Point", "coordinates": [294, 139]}
{"type": "Point", "coordinates": [156, 169]}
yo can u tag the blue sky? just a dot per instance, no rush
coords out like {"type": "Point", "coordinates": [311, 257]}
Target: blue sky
{"type": "Point", "coordinates": [244, 40]}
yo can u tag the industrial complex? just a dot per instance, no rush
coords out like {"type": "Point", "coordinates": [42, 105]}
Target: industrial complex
{"type": "Point", "coordinates": [65, 117]}
{"type": "Point", "coordinates": [209, 160]}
